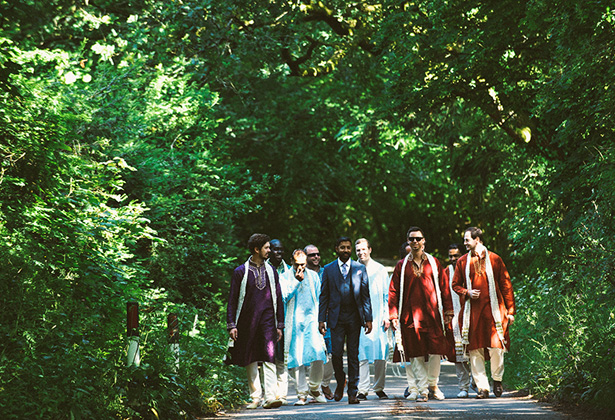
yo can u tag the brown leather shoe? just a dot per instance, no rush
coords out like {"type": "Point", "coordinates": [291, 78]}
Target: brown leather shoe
{"type": "Point", "coordinates": [353, 399]}
{"type": "Point", "coordinates": [482, 394]}
{"type": "Point", "coordinates": [339, 392]}
{"type": "Point", "coordinates": [327, 392]}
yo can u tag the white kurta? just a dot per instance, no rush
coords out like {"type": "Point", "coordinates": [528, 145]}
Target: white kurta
{"type": "Point", "coordinates": [302, 341]}
{"type": "Point", "coordinates": [375, 345]}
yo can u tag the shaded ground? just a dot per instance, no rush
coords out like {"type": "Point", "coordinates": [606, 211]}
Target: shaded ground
{"type": "Point", "coordinates": [509, 406]}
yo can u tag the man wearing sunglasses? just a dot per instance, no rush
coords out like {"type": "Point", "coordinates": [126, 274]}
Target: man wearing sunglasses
{"type": "Point", "coordinates": [420, 306]}
{"type": "Point", "coordinates": [313, 263]}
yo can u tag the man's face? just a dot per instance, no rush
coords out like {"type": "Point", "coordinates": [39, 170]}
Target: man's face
{"type": "Point", "coordinates": [453, 256]}
{"type": "Point", "coordinates": [299, 262]}
{"type": "Point", "coordinates": [277, 253]}
{"type": "Point", "coordinates": [363, 252]}
{"type": "Point", "coordinates": [416, 241]}
{"type": "Point", "coordinates": [264, 251]}
{"type": "Point", "coordinates": [313, 258]}
{"type": "Point", "coordinates": [470, 242]}
{"type": "Point", "coordinates": [343, 250]}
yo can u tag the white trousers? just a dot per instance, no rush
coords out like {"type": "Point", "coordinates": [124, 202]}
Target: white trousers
{"type": "Point", "coordinates": [421, 374]}
{"type": "Point", "coordinates": [380, 370]}
{"type": "Point", "coordinates": [463, 375]}
{"type": "Point", "coordinates": [282, 379]}
{"type": "Point", "coordinates": [327, 371]}
{"type": "Point", "coordinates": [477, 363]}
{"type": "Point", "coordinates": [254, 381]}
{"type": "Point", "coordinates": [433, 369]}
{"type": "Point", "coordinates": [303, 385]}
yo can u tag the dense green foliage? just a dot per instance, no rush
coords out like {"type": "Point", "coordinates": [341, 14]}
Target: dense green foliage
{"type": "Point", "coordinates": [142, 142]}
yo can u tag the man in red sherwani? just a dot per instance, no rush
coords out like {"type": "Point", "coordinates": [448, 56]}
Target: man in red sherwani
{"type": "Point", "coordinates": [419, 307]}
{"type": "Point", "coordinates": [488, 308]}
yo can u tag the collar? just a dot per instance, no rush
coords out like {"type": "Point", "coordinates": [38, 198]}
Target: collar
{"type": "Point", "coordinates": [253, 264]}
{"type": "Point", "coordinates": [340, 263]}
{"type": "Point", "coordinates": [479, 251]}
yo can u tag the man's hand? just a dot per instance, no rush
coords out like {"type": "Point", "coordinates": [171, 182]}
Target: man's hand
{"type": "Point", "coordinates": [368, 327]}
{"type": "Point", "coordinates": [395, 323]}
{"type": "Point", "coordinates": [511, 318]}
{"type": "Point", "coordinates": [448, 319]}
{"type": "Point", "coordinates": [385, 324]}
{"type": "Point", "coordinates": [279, 335]}
{"type": "Point", "coordinates": [474, 293]}
{"type": "Point", "coordinates": [322, 328]}
{"type": "Point", "coordinates": [233, 334]}
{"type": "Point", "coordinates": [300, 273]}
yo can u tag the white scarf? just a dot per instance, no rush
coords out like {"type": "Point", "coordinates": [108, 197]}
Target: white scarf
{"type": "Point", "coordinates": [434, 269]}
{"type": "Point", "coordinates": [493, 300]}
{"type": "Point", "coordinates": [242, 290]}
{"type": "Point", "coordinates": [242, 294]}
{"type": "Point", "coordinates": [459, 355]}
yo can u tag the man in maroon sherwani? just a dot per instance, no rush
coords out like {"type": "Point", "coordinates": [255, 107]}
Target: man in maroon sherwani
{"type": "Point", "coordinates": [488, 308]}
{"type": "Point", "coordinates": [419, 308]}
{"type": "Point", "coordinates": [255, 320]}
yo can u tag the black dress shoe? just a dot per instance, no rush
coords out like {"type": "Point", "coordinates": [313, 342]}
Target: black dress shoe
{"type": "Point", "coordinates": [382, 395]}
{"type": "Point", "coordinates": [361, 396]}
{"type": "Point", "coordinates": [497, 388]}
{"type": "Point", "coordinates": [339, 391]}
{"type": "Point", "coordinates": [353, 400]}
{"type": "Point", "coordinates": [406, 392]}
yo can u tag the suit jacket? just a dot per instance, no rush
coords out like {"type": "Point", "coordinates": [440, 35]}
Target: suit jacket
{"type": "Point", "coordinates": [330, 293]}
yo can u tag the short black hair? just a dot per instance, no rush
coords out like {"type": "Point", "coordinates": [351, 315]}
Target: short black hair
{"type": "Point", "coordinates": [414, 229]}
{"type": "Point", "coordinates": [257, 240]}
{"type": "Point", "coordinates": [454, 246]}
{"type": "Point", "coordinates": [342, 239]}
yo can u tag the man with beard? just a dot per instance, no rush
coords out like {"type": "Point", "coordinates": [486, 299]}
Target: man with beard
{"type": "Point", "coordinates": [483, 285]}
{"type": "Point", "coordinates": [419, 307]}
{"type": "Point", "coordinates": [345, 306]}
{"type": "Point", "coordinates": [255, 320]}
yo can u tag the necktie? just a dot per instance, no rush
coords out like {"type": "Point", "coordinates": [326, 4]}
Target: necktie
{"type": "Point", "coordinates": [344, 270]}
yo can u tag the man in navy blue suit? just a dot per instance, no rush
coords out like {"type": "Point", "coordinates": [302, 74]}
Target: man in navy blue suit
{"type": "Point", "coordinates": [345, 306]}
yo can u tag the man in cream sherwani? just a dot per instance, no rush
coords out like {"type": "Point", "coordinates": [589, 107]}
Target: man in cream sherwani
{"type": "Point", "coordinates": [374, 347]}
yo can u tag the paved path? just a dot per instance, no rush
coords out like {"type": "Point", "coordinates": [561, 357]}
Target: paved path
{"type": "Point", "coordinates": [507, 407]}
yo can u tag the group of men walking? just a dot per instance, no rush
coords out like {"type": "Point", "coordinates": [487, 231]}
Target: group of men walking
{"type": "Point", "coordinates": [297, 319]}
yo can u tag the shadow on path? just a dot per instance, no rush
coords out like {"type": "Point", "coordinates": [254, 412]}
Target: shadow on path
{"type": "Point", "coordinates": [509, 406]}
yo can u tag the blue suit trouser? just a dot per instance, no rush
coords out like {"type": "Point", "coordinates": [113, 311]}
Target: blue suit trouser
{"type": "Point", "coordinates": [348, 332]}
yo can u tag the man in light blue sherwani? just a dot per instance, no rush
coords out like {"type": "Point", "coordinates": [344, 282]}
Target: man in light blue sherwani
{"type": "Point", "coordinates": [374, 347]}
{"type": "Point", "coordinates": [304, 345]}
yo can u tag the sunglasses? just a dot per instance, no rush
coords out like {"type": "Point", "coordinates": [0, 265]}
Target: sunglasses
{"type": "Point", "coordinates": [415, 238]}
{"type": "Point", "coordinates": [314, 254]}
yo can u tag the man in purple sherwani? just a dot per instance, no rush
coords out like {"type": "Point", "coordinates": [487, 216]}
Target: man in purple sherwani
{"type": "Point", "coordinates": [255, 320]}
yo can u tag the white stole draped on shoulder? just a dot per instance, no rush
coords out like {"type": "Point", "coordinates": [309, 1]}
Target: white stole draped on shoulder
{"type": "Point", "coordinates": [493, 300]}
{"type": "Point", "coordinates": [434, 269]}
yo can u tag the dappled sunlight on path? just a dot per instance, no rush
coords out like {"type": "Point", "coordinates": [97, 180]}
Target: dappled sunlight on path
{"type": "Point", "coordinates": [506, 407]}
